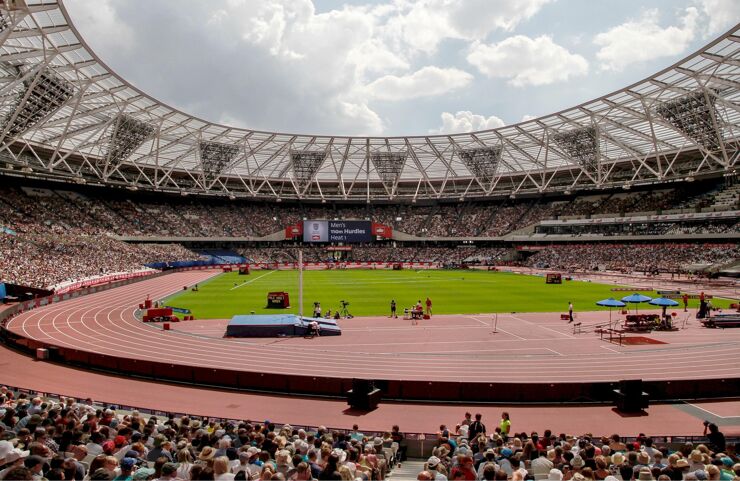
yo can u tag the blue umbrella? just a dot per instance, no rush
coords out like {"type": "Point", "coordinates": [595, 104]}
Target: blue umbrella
{"type": "Point", "coordinates": [636, 299]}
{"type": "Point", "coordinates": [663, 302]}
{"type": "Point", "coordinates": [611, 302]}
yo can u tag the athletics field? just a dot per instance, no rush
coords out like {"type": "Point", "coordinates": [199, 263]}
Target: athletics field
{"type": "Point", "coordinates": [369, 292]}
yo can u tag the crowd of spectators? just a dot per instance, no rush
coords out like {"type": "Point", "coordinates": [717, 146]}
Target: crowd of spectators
{"type": "Point", "coordinates": [44, 258]}
{"type": "Point", "coordinates": [707, 226]}
{"type": "Point", "coordinates": [471, 452]}
{"type": "Point", "coordinates": [74, 232]}
{"type": "Point", "coordinates": [629, 258]}
{"type": "Point", "coordinates": [454, 255]}
{"type": "Point", "coordinates": [142, 215]}
{"type": "Point", "coordinates": [63, 439]}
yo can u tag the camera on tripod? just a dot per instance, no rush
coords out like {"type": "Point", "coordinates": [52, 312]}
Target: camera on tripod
{"type": "Point", "coordinates": [343, 311]}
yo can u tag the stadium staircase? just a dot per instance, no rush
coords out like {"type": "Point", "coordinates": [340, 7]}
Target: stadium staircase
{"type": "Point", "coordinates": [727, 198]}
{"type": "Point", "coordinates": [490, 220]}
{"type": "Point", "coordinates": [527, 231]}
{"type": "Point", "coordinates": [409, 470]}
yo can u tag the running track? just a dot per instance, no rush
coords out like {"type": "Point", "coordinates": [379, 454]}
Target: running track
{"type": "Point", "coordinates": [528, 348]}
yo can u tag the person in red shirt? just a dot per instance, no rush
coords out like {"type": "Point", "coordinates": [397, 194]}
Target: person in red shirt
{"type": "Point", "coordinates": [464, 469]}
{"type": "Point", "coordinates": [429, 307]}
{"type": "Point", "coordinates": [685, 302]}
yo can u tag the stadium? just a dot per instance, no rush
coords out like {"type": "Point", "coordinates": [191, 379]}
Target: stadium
{"type": "Point", "coordinates": [168, 283]}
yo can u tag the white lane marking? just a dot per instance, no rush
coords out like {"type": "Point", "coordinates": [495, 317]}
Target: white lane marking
{"type": "Point", "coordinates": [253, 280]}
{"type": "Point", "coordinates": [541, 326]}
{"type": "Point", "coordinates": [553, 350]}
{"type": "Point", "coordinates": [708, 411]}
{"type": "Point", "coordinates": [498, 328]}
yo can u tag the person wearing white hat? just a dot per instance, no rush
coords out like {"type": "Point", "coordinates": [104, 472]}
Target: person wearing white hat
{"type": "Point", "coordinates": [10, 457]}
{"type": "Point", "coordinates": [434, 466]}
{"type": "Point", "coordinates": [555, 475]}
{"type": "Point", "coordinates": [489, 457]}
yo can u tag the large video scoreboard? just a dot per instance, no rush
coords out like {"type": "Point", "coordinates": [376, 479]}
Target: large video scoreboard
{"type": "Point", "coordinates": [350, 231]}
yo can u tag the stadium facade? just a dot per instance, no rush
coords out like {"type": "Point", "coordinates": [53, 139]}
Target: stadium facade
{"type": "Point", "coordinates": [66, 115]}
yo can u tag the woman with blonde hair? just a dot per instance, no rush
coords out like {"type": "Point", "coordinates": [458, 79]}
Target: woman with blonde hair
{"type": "Point", "coordinates": [282, 461]}
{"type": "Point", "coordinates": [345, 473]}
{"type": "Point", "coordinates": [221, 469]}
{"type": "Point", "coordinates": [267, 472]}
{"type": "Point", "coordinates": [184, 463]}
{"type": "Point", "coordinates": [713, 472]}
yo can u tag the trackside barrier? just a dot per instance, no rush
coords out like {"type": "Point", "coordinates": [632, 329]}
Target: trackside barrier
{"type": "Point", "coordinates": [415, 441]}
{"type": "Point", "coordinates": [407, 390]}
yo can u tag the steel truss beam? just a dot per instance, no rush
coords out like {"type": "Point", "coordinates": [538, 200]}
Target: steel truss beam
{"type": "Point", "coordinates": [388, 166]}
{"type": "Point", "coordinates": [695, 115]}
{"type": "Point", "coordinates": [61, 103]}
{"type": "Point", "coordinates": [583, 146]}
{"type": "Point", "coordinates": [43, 95]}
{"type": "Point", "coordinates": [214, 156]}
{"type": "Point", "coordinates": [305, 164]}
{"type": "Point", "coordinates": [127, 135]}
{"type": "Point", "coordinates": [482, 162]}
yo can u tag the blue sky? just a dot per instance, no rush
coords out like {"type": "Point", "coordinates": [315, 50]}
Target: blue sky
{"type": "Point", "coordinates": [392, 67]}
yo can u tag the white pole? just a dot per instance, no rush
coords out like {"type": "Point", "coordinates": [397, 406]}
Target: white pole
{"type": "Point", "coordinates": [300, 283]}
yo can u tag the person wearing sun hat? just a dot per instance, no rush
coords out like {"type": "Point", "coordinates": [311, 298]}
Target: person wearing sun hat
{"type": "Point", "coordinates": [434, 465]}
{"type": "Point", "coordinates": [576, 465]}
{"type": "Point", "coordinates": [681, 469]}
{"type": "Point", "coordinates": [206, 455]}
{"type": "Point", "coordinates": [642, 461]}
{"type": "Point", "coordinates": [489, 457]}
{"type": "Point", "coordinates": [10, 457]}
{"type": "Point", "coordinates": [555, 475]}
{"type": "Point", "coordinates": [644, 475]}
{"type": "Point", "coordinates": [696, 460]}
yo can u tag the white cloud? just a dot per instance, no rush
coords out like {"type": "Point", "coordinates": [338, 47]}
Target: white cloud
{"type": "Point", "coordinates": [526, 117]}
{"type": "Point", "coordinates": [425, 82]}
{"type": "Point", "coordinates": [643, 39]}
{"type": "Point", "coordinates": [422, 25]}
{"type": "Point", "coordinates": [526, 61]}
{"type": "Point", "coordinates": [466, 121]}
{"type": "Point", "coordinates": [722, 14]}
{"type": "Point", "coordinates": [104, 24]}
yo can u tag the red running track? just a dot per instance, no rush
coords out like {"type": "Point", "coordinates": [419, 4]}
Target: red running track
{"type": "Point", "coordinates": [528, 348]}
{"type": "Point", "coordinates": [674, 419]}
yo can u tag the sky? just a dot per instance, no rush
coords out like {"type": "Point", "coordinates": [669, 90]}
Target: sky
{"type": "Point", "coordinates": [390, 67]}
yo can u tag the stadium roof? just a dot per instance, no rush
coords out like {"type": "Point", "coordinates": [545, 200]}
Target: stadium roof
{"type": "Point", "coordinates": [65, 114]}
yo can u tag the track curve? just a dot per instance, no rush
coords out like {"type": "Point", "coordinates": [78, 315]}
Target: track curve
{"type": "Point", "coordinates": [458, 351]}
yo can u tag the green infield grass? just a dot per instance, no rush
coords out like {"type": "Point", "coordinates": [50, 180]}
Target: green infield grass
{"type": "Point", "coordinates": [369, 292]}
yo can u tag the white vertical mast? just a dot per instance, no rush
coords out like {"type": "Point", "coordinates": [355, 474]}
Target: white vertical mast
{"type": "Point", "coordinates": [300, 283]}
